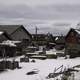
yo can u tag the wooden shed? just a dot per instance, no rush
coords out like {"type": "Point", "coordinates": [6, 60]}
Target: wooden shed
{"type": "Point", "coordinates": [72, 39]}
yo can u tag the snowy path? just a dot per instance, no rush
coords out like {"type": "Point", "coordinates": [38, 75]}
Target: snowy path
{"type": "Point", "coordinates": [44, 66]}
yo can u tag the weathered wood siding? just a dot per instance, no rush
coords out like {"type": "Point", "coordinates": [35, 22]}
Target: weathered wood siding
{"type": "Point", "coordinates": [71, 38]}
{"type": "Point", "coordinates": [20, 34]}
{"type": "Point", "coordinates": [3, 38]}
{"type": "Point", "coordinates": [72, 46]}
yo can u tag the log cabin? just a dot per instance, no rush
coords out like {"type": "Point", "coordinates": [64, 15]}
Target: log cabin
{"type": "Point", "coordinates": [72, 43]}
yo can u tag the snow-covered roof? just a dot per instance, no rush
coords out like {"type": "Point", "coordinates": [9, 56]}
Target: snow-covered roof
{"type": "Point", "coordinates": [39, 56]}
{"type": "Point", "coordinates": [50, 52]}
{"type": "Point", "coordinates": [16, 41]}
{"type": "Point", "coordinates": [31, 47]}
{"type": "Point", "coordinates": [8, 43]}
{"type": "Point", "coordinates": [52, 43]}
{"type": "Point", "coordinates": [1, 32]}
{"type": "Point", "coordinates": [32, 53]}
{"type": "Point", "coordinates": [54, 51]}
{"type": "Point", "coordinates": [56, 38]}
{"type": "Point", "coordinates": [78, 31]}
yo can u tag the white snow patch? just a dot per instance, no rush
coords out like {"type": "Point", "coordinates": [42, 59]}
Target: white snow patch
{"type": "Point", "coordinates": [1, 32]}
{"type": "Point", "coordinates": [44, 66]}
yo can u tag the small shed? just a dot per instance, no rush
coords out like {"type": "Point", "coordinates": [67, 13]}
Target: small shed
{"type": "Point", "coordinates": [8, 49]}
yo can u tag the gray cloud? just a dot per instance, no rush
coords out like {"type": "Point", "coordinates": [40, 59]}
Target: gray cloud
{"type": "Point", "coordinates": [50, 12]}
{"type": "Point", "coordinates": [38, 2]}
{"type": "Point", "coordinates": [42, 15]}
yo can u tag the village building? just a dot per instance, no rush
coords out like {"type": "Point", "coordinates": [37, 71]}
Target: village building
{"type": "Point", "coordinates": [18, 33]}
{"type": "Point", "coordinates": [39, 39]}
{"type": "Point", "coordinates": [43, 40]}
{"type": "Point", "coordinates": [60, 42]}
{"type": "Point", "coordinates": [72, 43]}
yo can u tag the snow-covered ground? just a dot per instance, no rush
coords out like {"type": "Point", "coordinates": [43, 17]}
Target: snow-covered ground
{"type": "Point", "coordinates": [54, 51]}
{"type": "Point", "coordinates": [44, 67]}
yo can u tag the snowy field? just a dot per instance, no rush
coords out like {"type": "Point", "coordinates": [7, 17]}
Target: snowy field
{"type": "Point", "coordinates": [44, 67]}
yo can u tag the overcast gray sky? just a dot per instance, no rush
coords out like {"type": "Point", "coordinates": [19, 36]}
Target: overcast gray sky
{"type": "Point", "coordinates": [42, 13]}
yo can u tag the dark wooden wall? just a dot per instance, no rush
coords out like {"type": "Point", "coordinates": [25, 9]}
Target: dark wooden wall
{"type": "Point", "coordinates": [71, 38]}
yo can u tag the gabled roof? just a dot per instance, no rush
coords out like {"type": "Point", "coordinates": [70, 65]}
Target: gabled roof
{"type": "Point", "coordinates": [4, 33]}
{"type": "Point", "coordinates": [76, 34]}
{"type": "Point", "coordinates": [1, 32]}
{"type": "Point", "coordinates": [78, 31]}
{"type": "Point", "coordinates": [10, 29]}
{"type": "Point", "coordinates": [71, 30]}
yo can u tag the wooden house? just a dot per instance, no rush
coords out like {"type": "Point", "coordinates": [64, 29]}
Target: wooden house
{"type": "Point", "coordinates": [39, 39]}
{"type": "Point", "coordinates": [17, 32]}
{"type": "Point", "coordinates": [72, 41]}
{"type": "Point", "coordinates": [42, 39]}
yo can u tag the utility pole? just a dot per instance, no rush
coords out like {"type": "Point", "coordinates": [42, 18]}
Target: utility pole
{"type": "Point", "coordinates": [36, 29]}
{"type": "Point", "coordinates": [36, 36]}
